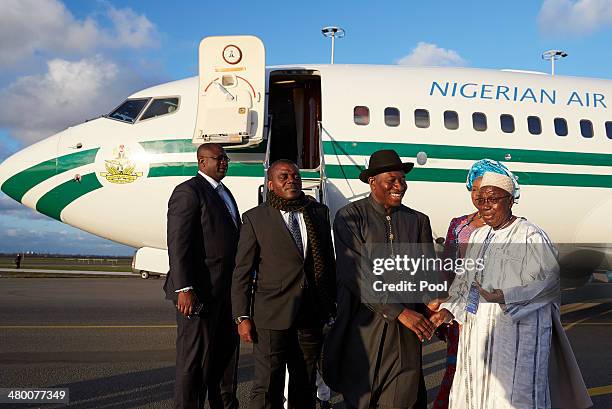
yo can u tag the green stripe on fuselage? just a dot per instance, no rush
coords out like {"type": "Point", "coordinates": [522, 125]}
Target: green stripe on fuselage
{"type": "Point", "coordinates": [417, 174]}
{"type": "Point", "coordinates": [411, 149]}
{"type": "Point", "coordinates": [460, 175]}
{"type": "Point", "coordinates": [186, 145]}
{"type": "Point", "coordinates": [55, 200]}
{"type": "Point", "coordinates": [19, 184]}
{"type": "Point", "coordinates": [469, 153]}
{"type": "Point", "coordinates": [191, 168]}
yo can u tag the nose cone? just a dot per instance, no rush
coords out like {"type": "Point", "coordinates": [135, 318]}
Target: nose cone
{"type": "Point", "coordinates": [27, 168]}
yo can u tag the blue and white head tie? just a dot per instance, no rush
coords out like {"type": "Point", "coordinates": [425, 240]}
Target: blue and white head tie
{"type": "Point", "coordinates": [489, 165]}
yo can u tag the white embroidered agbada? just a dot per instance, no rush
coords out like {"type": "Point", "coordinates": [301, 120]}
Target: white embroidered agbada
{"type": "Point", "coordinates": [503, 354]}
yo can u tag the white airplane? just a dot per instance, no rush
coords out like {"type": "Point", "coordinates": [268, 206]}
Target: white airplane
{"type": "Point", "coordinates": [112, 176]}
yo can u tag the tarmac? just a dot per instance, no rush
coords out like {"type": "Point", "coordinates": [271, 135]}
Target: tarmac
{"type": "Point", "coordinates": [111, 342]}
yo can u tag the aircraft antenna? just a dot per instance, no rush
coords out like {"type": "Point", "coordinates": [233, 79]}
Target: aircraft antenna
{"type": "Point", "coordinates": [552, 56]}
{"type": "Point", "coordinates": [333, 32]}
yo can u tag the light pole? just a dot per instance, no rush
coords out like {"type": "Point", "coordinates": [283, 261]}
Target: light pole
{"type": "Point", "coordinates": [333, 32]}
{"type": "Point", "coordinates": [552, 55]}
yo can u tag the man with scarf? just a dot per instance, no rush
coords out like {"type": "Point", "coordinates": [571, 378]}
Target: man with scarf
{"type": "Point", "coordinates": [286, 242]}
{"type": "Point", "coordinates": [372, 355]}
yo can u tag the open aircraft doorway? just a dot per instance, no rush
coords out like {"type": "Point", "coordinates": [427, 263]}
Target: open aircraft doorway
{"type": "Point", "coordinates": [294, 105]}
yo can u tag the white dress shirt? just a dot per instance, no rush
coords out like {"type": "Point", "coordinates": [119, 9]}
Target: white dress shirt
{"type": "Point", "coordinates": [303, 233]}
{"type": "Point", "coordinates": [224, 195]}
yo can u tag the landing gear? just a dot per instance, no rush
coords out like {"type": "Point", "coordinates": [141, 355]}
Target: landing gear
{"type": "Point", "coordinates": [144, 274]}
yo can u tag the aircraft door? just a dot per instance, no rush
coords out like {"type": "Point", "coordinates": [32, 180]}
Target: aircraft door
{"type": "Point", "coordinates": [231, 96]}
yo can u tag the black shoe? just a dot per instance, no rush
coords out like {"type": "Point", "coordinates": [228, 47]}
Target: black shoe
{"type": "Point", "coordinates": [324, 404]}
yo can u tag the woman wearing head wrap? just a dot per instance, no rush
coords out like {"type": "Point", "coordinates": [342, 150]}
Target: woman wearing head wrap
{"type": "Point", "coordinates": [513, 352]}
{"type": "Point", "coordinates": [457, 237]}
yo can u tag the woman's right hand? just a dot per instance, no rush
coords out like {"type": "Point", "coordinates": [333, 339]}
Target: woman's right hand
{"type": "Point", "coordinates": [441, 317]}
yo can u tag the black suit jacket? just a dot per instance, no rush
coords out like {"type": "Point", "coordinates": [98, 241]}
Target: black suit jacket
{"type": "Point", "coordinates": [266, 246]}
{"type": "Point", "coordinates": [202, 240]}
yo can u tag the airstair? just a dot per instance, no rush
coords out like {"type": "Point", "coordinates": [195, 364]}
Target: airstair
{"type": "Point", "coordinates": [313, 180]}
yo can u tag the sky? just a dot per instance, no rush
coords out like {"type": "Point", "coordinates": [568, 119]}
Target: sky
{"type": "Point", "coordinates": [62, 62]}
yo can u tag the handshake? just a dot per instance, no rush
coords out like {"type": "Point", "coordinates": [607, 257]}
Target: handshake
{"type": "Point", "coordinates": [422, 326]}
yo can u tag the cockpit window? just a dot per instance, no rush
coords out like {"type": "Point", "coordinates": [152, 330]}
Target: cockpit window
{"type": "Point", "coordinates": [129, 110]}
{"type": "Point", "coordinates": [161, 106]}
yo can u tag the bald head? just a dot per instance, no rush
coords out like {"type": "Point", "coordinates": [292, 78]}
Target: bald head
{"type": "Point", "coordinates": [212, 160]}
{"type": "Point", "coordinates": [207, 148]}
{"type": "Point", "coordinates": [275, 165]}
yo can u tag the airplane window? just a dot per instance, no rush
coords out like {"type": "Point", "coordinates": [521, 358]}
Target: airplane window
{"type": "Point", "coordinates": [586, 128]}
{"type": "Point", "coordinates": [560, 126]}
{"type": "Point", "coordinates": [534, 124]}
{"type": "Point", "coordinates": [361, 115]}
{"type": "Point", "coordinates": [609, 129]}
{"type": "Point", "coordinates": [161, 106]}
{"type": "Point", "coordinates": [392, 116]}
{"type": "Point", "coordinates": [129, 110]}
{"type": "Point", "coordinates": [507, 123]}
{"type": "Point", "coordinates": [479, 121]}
{"type": "Point", "coordinates": [421, 118]}
{"type": "Point", "coordinates": [451, 120]}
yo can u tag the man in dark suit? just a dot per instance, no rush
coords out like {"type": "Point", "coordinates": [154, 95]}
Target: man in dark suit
{"type": "Point", "coordinates": [203, 234]}
{"type": "Point", "coordinates": [287, 241]}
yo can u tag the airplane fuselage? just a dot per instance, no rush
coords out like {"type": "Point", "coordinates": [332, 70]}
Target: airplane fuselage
{"type": "Point", "coordinates": [113, 178]}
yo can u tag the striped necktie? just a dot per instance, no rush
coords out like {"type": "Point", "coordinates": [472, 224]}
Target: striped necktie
{"type": "Point", "coordinates": [294, 228]}
{"type": "Point", "coordinates": [225, 197]}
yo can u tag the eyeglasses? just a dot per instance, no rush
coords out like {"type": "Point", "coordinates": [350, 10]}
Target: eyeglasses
{"type": "Point", "coordinates": [220, 158]}
{"type": "Point", "coordinates": [490, 200]}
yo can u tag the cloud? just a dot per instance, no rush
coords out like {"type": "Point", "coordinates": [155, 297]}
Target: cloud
{"type": "Point", "coordinates": [44, 239]}
{"type": "Point", "coordinates": [574, 17]}
{"type": "Point", "coordinates": [7, 147]}
{"type": "Point", "coordinates": [428, 54]}
{"type": "Point", "coordinates": [31, 27]}
{"type": "Point", "coordinates": [132, 30]}
{"type": "Point", "coordinates": [15, 210]}
{"type": "Point", "coordinates": [69, 92]}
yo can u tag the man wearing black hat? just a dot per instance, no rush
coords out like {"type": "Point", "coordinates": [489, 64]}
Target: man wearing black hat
{"type": "Point", "coordinates": [373, 353]}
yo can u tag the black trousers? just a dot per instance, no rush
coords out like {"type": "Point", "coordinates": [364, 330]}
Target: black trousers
{"type": "Point", "coordinates": [206, 360]}
{"type": "Point", "coordinates": [298, 350]}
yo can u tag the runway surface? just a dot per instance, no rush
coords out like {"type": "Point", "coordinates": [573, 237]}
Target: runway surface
{"type": "Point", "coordinates": [67, 272]}
{"type": "Point", "coordinates": [111, 342]}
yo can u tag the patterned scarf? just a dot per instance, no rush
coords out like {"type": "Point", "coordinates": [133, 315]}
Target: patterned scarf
{"type": "Point", "coordinates": [320, 258]}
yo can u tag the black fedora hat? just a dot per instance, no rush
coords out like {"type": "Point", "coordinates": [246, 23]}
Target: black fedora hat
{"type": "Point", "coordinates": [385, 160]}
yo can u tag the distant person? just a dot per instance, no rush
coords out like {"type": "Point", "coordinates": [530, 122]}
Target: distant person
{"type": "Point", "coordinates": [455, 245]}
{"type": "Point", "coordinates": [513, 351]}
{"type": "Point", "coordinates": [202, 237]}
{"type": "Point", "coordinates": [287, 240]}
{"type": "Point", "coordinates": [372, 354]}
{"type": "Point", "coordinates": [18, 261]}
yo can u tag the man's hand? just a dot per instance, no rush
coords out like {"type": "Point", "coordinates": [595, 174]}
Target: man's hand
{"type": "Point", "coordinates": [441, 317]}
{"type": "Point", "coordinates": [187, 301]}
{"type": "Point", "coordinates": [417, 323]}
{"type": "Point", "coordinates": [245, 330]}
{"type": "Point", "coordinates": [434, 304]}
{"type": "Point", "coordinates": [496, 295]}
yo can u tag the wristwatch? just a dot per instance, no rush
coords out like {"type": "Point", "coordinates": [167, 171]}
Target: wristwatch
{"type": "Point", "coordinates": [238, 320]}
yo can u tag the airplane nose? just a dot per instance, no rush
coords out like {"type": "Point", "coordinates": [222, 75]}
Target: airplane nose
{"type": "Point", "coordinates": [27, 168]}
